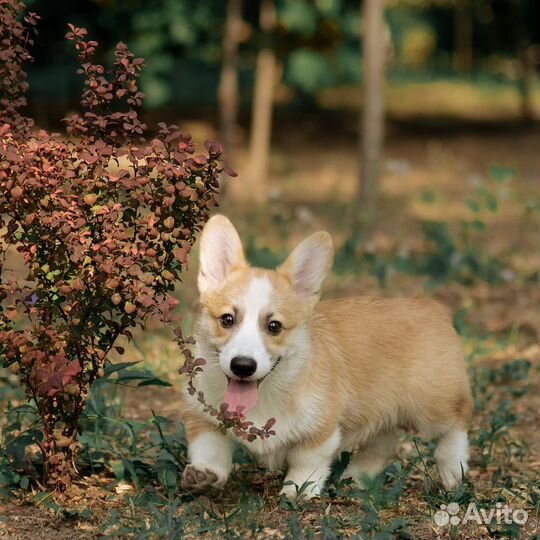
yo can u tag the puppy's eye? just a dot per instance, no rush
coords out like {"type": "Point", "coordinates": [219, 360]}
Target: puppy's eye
{"type": "Point", "coordinates": [227, 320]}
{"type": "Point", "coordinates": [274, 327]}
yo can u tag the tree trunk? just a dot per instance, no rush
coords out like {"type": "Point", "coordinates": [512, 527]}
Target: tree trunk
{"type": "Point", "coordinates": [228, 93]}
{"type": "Point", "coordinates": [463, 40]}
{"type": "Point", "coordinates": [263, 102]}
{"type": "Point", "coordinates": [527, 79]}
{"type": "Point", "coordinates": [372, 117]}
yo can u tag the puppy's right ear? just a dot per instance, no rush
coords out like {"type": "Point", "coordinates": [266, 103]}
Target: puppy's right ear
{"type": "Point", "coordinates": [221, 252]}
{"type": "Point", "coordinates": [308, 265]}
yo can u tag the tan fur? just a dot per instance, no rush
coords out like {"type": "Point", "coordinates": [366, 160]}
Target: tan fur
{"type": "Point", "coordinates": [387, 363]}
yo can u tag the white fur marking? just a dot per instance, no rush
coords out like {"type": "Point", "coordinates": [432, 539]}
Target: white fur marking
{"type": "Point", "coordinates": [310, 466]}
{"type": "Point", "coordinates": [213, 451]}
{"type": "Point", "coordinates": [452, 455]}
{"type": "Point", "coordinates": [248, 339]}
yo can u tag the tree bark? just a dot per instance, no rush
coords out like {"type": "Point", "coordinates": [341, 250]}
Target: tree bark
{"type": "Point", "coordinates": [228, 92]}
{"type": "Point", "coordinates": [463, 40]}
{"type": "Point", "coordinates": [263, 103]}
{"type": "Point", "coordinates": [372, 116]}
{"type": "Point", "coordinates": [527, 80]}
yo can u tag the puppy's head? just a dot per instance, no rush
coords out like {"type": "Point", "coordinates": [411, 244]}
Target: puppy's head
{"type": "Point", "coordinates": [249, 315]}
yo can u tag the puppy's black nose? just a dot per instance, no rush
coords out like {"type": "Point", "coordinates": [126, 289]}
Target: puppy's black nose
{"type": "Point", "coordinates": [243, 366]}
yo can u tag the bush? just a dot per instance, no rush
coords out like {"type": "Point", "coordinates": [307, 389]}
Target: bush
{"type": "Point", "coordinates": [15, 38]}
{"type": "Point", "coordinates": [104, 223]}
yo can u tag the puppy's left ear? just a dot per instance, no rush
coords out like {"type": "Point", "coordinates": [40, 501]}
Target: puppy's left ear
{"type": "Point", "coordinates": [309, 264]}
{"type": "Point", "coordinates": [221, 253]}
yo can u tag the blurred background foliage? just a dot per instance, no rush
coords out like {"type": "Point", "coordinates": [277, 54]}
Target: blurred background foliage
{"type": "Point", "coordinates": [315, 41]}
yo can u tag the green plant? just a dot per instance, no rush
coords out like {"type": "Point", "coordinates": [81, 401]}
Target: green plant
{"type": "Point", "coordinates": [455, 258]}
{"type": "Point", "coordinates": [460, 256]}
{"type": "Point", "coordinates": [263, 257]}
{"type": "Point", "coordinates": [452, 253]}
{"type": "Point", "coordinates": [353, 256]}
{"type": "Point", "coordinates": [21, 433]}
{"type": "Point", "coordinates": [501, 419]}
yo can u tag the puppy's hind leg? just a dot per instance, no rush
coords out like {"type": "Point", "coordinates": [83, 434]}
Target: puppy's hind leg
{"type": "Point", "coordinates": [370, 459]}
{"type": "Point", "coordinates": [452, 456]}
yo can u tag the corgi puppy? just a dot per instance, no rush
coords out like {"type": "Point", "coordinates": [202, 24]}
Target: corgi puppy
{"type": "Point", "coordinates": [336, 375]}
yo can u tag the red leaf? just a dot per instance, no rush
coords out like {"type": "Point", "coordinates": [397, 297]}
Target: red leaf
{"type": "Point", "coordinates": [180, 255]}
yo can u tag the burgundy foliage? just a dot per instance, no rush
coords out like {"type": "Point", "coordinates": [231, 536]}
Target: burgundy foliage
{"type": "Point", "coordinates": [103, 222]}
{"type": "Point", "coordinates": [15, 37]}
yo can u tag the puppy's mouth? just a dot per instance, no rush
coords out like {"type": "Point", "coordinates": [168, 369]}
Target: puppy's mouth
{"type": "Point", "coordinates": [242, 395]}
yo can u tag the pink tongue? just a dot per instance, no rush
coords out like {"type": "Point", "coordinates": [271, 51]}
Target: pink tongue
{"type": "Point", "coordinates": [241, 394]}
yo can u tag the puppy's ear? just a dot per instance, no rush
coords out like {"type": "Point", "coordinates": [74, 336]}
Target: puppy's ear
{"type": "Point", "coordinates": [308, 265]}
{"type": "Point", "coordinates": [221, 252]}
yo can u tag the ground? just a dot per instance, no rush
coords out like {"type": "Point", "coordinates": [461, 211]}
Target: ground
{"type": "Point", "coordinates": [431, 171]}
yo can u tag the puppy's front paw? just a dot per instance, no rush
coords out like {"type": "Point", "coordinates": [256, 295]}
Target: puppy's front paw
{"type": "Point", "coordinates": [293, 493]}
{"type": "Point", "coordinates": [198, 478]}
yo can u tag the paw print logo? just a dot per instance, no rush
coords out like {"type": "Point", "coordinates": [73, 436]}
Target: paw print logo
{"type": "Point", "coordinates": [447, 514]}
